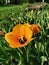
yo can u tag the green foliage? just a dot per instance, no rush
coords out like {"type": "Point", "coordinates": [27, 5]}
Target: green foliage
{"type": "Point", "coordinates": [31, 1]}
{"type": "Point", "coordinates": [13, 1]}
{"type": "Point", "coordinates": [37, 52]}
{"type": "Point", "coordinates": [19, 1]}
{"type": "Point", "coordinates": [2, 2]}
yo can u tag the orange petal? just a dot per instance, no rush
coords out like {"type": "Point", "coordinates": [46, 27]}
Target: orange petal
{"type": "Point", "coordinates": [22, 30]}
{"type": "Point", "coordinates": [12, 40]}
{"type": "Point", "coordinates": [18, 30]}
{"type": "Point", "coordinates": [27, 31]}
{"type": "Point", "coordinates": [27, 42]}
{"type": "Point", "coordinates": [27, 24]}
{"type": "Point", "coordinates": [35, 28]}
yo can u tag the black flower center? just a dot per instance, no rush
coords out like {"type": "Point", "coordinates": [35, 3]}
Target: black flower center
{"type": "Point", "coordinates": [22, 40]}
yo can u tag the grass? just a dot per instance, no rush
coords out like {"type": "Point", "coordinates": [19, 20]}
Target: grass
{"type": "Point", "coordinates": [6, 10]}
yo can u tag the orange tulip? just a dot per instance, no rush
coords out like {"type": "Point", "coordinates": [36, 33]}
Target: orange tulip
{"type": "Point", "coordinates": [20, 36]}
{"type": "Point", "coordinates": [35, 28]}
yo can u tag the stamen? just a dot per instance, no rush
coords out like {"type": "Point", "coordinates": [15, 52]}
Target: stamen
{"type": "Point", "coordinates": [24, 39]}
